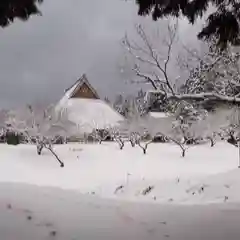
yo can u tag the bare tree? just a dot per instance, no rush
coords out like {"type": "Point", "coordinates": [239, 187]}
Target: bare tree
{"type": "Point", "coordinates": [119, 135]}
{"type": "Point", "coordinates": [133, 127]}
{"type": "Point", "coordinates": [144, 146]}
{"type": "Point", "coordinates": [150, 63]}
{"type": "Point", "coordinates": [101, 134]}
{"type": "Point", "coordinates": [42, 127]}
{"type": "Point", "coordinates": [215, 77]}
{"type": "Point", "coordinates": [210, 125]}
{"type": "Point", "coordinates": [166, 127]}
{"type": "Point", "coordinates": [231, 130]}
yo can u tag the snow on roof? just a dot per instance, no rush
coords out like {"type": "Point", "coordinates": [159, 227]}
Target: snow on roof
{"type": "Point", "coordinates": [152, 92]}
{"type": "Point", "coordinates": [87, 113]}
{"type": "Point", "coordinates": [158, 114]}
{"type": "Point", "coordinates": [90, 113]}
{"type": "Point", "coordinates": [74, 88]}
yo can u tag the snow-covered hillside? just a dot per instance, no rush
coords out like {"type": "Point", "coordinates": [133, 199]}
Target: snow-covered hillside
{"type": "Point", "coordinates": [205, 175]}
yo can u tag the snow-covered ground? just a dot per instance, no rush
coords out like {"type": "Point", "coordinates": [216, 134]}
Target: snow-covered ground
{"type": "Point", "coordinates": [75, 202]}
{"type": "Point", "coordinates": [42, 213]}
{"type": "Point", "coordinates": [205, 175]}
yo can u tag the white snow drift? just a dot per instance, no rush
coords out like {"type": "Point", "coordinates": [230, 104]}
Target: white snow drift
{"type": "Point", "coordinates": [205, 175]}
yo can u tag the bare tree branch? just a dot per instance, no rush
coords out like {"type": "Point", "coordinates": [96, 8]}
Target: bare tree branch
{"type": "Point", "coordinates": [147, 55]}
{"type": "Point", "coordinates": [204, 96]}
{"type": "Point", "coordinates": [147, 78]}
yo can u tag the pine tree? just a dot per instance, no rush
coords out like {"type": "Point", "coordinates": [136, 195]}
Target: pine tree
{"type": "Point", "coordinates": [222, 23]}
{"type": "Point", "coordinates": [12, 9]}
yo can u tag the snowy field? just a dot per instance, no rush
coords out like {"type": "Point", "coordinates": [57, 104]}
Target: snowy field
{"type": "Point", "coordinates": [205, 175]}
{"type": "Point", "coordinates": [104, 193]}
{"type": "Point", "coordinates": [43, 213]}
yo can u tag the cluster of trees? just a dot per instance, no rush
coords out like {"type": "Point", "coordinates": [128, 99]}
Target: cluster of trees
{"type": "Point", "coordinates": [185, 126]}
{"type": "Point", "coordinates": [40, 126]}
{"type": "Point", "coordinates": [222, 22]}
{"type": "Point", "coordinates": [214, 76]}
{"type": "Point", "coordinates": [199, 106]}
{"type": "Point", "coordinates": [130, 105]}
{"type": "Point", "coordinates": [203, 107]}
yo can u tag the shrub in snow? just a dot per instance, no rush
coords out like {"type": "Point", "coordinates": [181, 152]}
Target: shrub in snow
{"type": "Point", "coordinates": [101, 135]}
{"type": "Point", "coordinates": [12, 138]}
{"type": "Point", "coordinates": [187, 119]}
{"type": "Point", "coordinates": [159, 138]}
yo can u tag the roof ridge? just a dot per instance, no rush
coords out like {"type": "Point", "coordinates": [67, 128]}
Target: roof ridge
{"type": "Point", "coordinates": [79, 79]}
{"type": "Point", "coordinates": [77, 85]}
{"type": "Point", "coordinates": [83, 80]}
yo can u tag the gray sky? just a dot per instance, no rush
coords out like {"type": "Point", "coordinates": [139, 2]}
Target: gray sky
{"type": "Point", "coordinates": [43, 56]}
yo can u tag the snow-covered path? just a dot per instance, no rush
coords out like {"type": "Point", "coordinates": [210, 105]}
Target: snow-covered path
{"type": "Point", "coordinates": [40, 213]}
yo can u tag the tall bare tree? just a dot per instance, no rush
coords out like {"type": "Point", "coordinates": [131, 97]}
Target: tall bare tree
{"type": "Point", "coordinates": [215, 76]}
{"type": "Point", "coordinates": [151, 63]}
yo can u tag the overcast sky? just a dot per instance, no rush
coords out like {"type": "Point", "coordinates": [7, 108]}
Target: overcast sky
{"type": "Point", "coordinates": [43, 56]}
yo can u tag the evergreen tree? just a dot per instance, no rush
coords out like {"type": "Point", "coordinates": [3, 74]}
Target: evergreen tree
{"type": "Point", "coordinates": [118, 104]}
{"type": "Point", "coordinates": [12, 9]}
{"type": "Point", "coordinates": [222, 23]}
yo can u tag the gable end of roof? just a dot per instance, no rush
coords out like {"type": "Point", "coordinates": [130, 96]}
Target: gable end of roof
{"type": "Point", "coordinates": [83, 79]}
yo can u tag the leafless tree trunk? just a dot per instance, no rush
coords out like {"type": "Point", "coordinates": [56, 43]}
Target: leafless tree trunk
{"type": "Point", "coordinates": [132, 142]}
{"type": "Point", "coordinates": [144, 148]}
{"type": "Point", "coordinates": [41, 145]}
{"type": "Point", "coordinates": [180, 145]}
{"type": "Point", "coordinates": [212, 141]}
{"type": "Point", "coordinates": [55, 155]}
{"type": "Point", "coordinates": [120, 142]}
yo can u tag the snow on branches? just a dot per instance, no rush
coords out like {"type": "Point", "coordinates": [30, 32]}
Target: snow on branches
{"type": "Point", "coordinates": [151, 63]}
{"type": "Point", "coordinates": [40, 126]}
{"type": "Point", "coordinates": [215, 78]}
{"type": "Point", "coordinates": [184, 127]}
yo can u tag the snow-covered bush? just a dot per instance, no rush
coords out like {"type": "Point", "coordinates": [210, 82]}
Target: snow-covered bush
{"type": "Point", "coordinates": [133, 128]}
{"type": "Point", "coordinates": [101, 134]}
{"type": "Point", "coordinates": [165, 127]}
{"type": "Point", "coordinates": [186, 115]}
{"type": "Point", "coordinates": [231, 130]}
